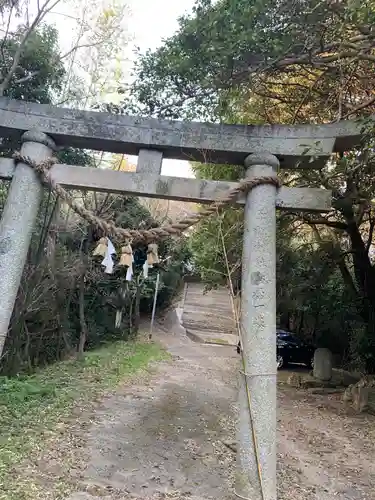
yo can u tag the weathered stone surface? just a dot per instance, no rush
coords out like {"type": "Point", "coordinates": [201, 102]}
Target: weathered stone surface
{"type": "Point", "coordinates": [150, 185]}
{"type": "Point", "coordinates": [215, 143]}
{"type": "Point", "coordinates": [344, 378]}
{"type": "Point", "coordinates": [325, 390]}
{"type": "Point", "coordinates": [149, 162]}
{"type": "Point", "coordinates": [361, 395]}
{"type": "Point", "coordinates": [258, 324]}
{"type": "Point", "coordinates": [17, 223]}
{"type": "Point", "coordinates": [208, 317]}
{"type": "Point", "coordinates": [323, 364]}
{"type": "Point", "coordinates": [309, 383]}
{"type": "Point", "coordinates": [295, 380]}
{"type": "Point", "coordinates": [360, 398]}
{"type": "Point", "coordinates": [7, 168]}
{"type": "Point", "coordinates": [218, 338]}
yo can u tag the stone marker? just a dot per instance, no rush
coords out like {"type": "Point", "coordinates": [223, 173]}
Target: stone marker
{"type": "Point", "coordinates": [361, 395]}
{"type": "Point", "coordinates": [323, 364]}
{"type": "Point", "coordinates": [295, 380]}
{"type": "Point", "coordinates": [360, 398]}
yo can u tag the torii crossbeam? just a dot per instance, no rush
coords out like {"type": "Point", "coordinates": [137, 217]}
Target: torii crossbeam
{"type": "Point", "coordinates": [262, 149]}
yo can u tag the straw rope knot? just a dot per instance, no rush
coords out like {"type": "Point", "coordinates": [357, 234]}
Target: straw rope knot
{"type": "Point", "coordinates": [142, 235]}
{"type": "Point", "coordinates": [41, 168]}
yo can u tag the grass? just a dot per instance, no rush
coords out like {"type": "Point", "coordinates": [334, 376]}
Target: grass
{"type": "Point", "coordinates": [33, 409]}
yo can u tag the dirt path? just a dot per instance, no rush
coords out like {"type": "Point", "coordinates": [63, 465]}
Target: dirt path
{"type": "Point", "coordinates": [324, 452]}
{"type": "Point", "coordinates": [164, 440]}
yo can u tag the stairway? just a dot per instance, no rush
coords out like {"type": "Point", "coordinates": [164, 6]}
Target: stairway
{"type": "Point", "coordinates": [208, 317]}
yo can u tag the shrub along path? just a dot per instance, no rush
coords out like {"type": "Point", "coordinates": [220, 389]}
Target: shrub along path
{"type": "Point", "coordinates": [43, 417]}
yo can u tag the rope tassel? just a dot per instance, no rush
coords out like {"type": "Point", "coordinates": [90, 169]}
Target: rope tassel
{"type": "Point", "coordinates": [126, 258]}
{"type": "Point", "coordinates": [101, 248]}
{"type": "Point", "coordinates": [152, 255]}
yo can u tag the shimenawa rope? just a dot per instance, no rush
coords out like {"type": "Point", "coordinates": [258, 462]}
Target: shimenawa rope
{"type": "Point", "coordinates": [141, 235]}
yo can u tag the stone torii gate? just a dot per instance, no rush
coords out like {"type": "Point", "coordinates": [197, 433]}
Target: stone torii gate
{"type": "Point", "coordinates": [262, 149]}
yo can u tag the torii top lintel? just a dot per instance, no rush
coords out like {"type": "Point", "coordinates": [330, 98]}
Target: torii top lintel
{"type": "Point", "coordinates": [192, 141]}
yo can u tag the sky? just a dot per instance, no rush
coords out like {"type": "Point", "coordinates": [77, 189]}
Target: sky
{"type": "Point", "coordinates": [147, 23]}
{"type": "Point", "coordinates": [151, 21]}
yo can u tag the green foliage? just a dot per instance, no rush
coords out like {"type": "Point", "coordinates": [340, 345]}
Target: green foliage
{"type": "Point", "coordinates": [63, 291]}
{"type": "Point", "coordinates": [284, 62]}
{"type": "Point", "coordinates": [72, 156]}
{"type": "Point", "coordinates": [209, 253]}
{"type": "Point", "coordinates": [131, 214]}
{"type": "Point", "coordinates": [227, 49]}
{"type": "Point", "coordinates": [33, 409]}
{"type": "Point", "coordinates": [218, 172]}
{"type": "Point", "coordinates": [39, 74]}
{"type": "Point", "coordinates": [40, 71]}
{"type": "Point", "coordinates": [173, 271]}
{"type": "Point", "coordinates": [312, 298]}
{"type": "Point", "coordinates": [310, 285]}
{"type": "Point", "coordinates": [46, 323]}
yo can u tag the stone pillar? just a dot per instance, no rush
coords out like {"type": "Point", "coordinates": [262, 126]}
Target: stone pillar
{"type": "Point", "coordinates": [258, 330]}
{"type": "Point", "coordinates": [17, 223]}
{"type": "Point", "coordinates": [323, 364]}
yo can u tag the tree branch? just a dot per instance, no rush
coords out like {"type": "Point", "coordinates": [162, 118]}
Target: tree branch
{"type": "Point", "coordinates": [17, 56]}
{"type": "Point", "coordinates": [307, 95]}
{"type": "Point", "coordinates": [361, 106]}
{"type": "Point", "coordinates": [80, 46]}
{"type": "Point", "coordinates": [319, 57]}
{"type": "Point", "coordinates": [323, 222]}
{"type": "Point", "coordinates": [370, 235]}
{"type": "Point", "coordinates": [28, 77]}
{"type": "Point", "coordinates": [6, 35]}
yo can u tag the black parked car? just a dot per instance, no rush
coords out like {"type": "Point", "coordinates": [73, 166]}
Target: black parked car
{"type": "Point", "coordinates": [291, 349]}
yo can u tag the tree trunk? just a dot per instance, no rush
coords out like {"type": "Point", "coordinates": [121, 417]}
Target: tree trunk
{"type": "Point", "coordinates": [284, 320]}
{"type": "Point", "coordinates": [364, 272]}
{"type": "Point", "coordinates": [301, 321]}
{"type": "Point", "coordinates": [365, 277]}
{"type": "Point", "coordinates": [82, 317]}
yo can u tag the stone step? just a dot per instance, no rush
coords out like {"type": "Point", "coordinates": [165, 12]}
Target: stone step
{"type": "Point", "coordinates": [209, 316]}
{"type": "Point", "coordinates": [207, 300]}
{"type": "Point", "coordinates": [211, 331]}
{"type": "Point", "coordinates": [213, 297]}
{"type": "Point", "coordinates": [204, 303]}
{"type": "Point", "coordinates": [207, 328]}
{"type": "Point", "coordinates": [214, 338]}
{"type": "Point", "coordinates": [203, 324]}
{"type": "Point", "coordinates": [213, 293]}
{"type": "Point", "coordinates": [207, 306]}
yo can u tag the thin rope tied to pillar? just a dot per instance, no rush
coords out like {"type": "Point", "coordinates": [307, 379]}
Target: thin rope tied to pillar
{"type": "Point", "coordinates": [141, 235]}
